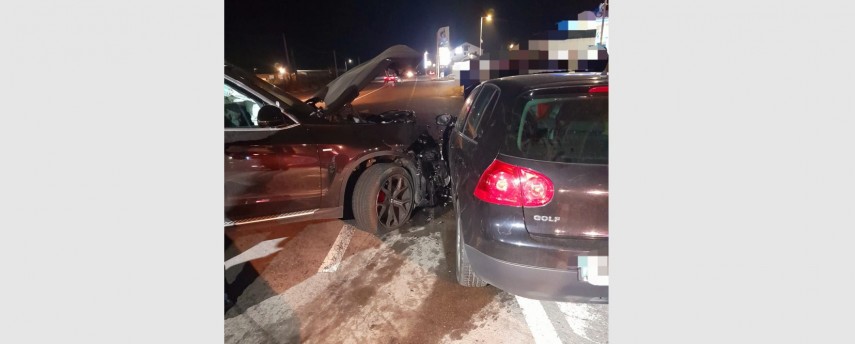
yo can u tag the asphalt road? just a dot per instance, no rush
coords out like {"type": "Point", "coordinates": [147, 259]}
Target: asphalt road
{"type": "Point", "coordinates": [424, 96]}
{"type": "Point", "coordinates": [330, 282]}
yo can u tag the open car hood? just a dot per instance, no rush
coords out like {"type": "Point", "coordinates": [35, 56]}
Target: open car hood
{"type": "Point", "coordinates": [346, 87]}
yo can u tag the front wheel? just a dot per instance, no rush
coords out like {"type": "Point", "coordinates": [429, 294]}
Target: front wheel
{"type": "Point", "coordinates": [383, 198]}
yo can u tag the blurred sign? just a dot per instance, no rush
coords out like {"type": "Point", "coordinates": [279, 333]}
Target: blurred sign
{"type": "Point", "coordinates": [443, 51]}
{"type": "Point", "coordinates": [442, 37]}
{"type": "Point", "coordinates": [444, 56]}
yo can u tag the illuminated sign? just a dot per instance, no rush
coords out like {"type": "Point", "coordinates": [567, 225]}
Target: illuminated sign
{"type": "Point", "coordinates": [444, 56]}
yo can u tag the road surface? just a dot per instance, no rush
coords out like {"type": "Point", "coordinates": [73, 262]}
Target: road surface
{"type": "Point", "coordinates": [330, 282]}
{"type": "Point", "coordinates": [426, 97]}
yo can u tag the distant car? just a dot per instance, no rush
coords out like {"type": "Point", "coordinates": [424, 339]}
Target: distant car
{"type": "Point", "coordinates": [290, 160]}
{"type": "Point", "coordinates": [394, 79]}
{"type": "Point", "coordinates": [528, 160]}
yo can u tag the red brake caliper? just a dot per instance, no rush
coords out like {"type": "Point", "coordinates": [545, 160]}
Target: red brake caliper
{"type": "Point", "coordinates": [381, 197]}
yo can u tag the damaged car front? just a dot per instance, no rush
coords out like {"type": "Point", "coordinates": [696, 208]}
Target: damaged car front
{"type": "Point", "coordinates": [291, 160]}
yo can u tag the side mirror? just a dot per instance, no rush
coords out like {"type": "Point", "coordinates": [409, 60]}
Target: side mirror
{"type": "Point", "coordinates": [270, 116]}
{"type": "Point", "coordinates": [444, 119]}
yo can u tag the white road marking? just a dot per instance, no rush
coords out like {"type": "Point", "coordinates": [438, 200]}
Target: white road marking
{"type": "Point", "coordinates": [578, 316]}
{"type": "Point", "coordinates": [260, 250]}
{"type": "Point", "coordinates": [369, 93]}
{"type": "Point", "coordinates": [538, 322]}
{"type": "Point", "coordinates": [333, 259]}
{"type": "Point", "coordinates": [412, 93]}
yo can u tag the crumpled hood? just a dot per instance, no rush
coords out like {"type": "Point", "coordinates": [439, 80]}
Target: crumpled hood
{"type": "Point", "coordinates": [346, 87]}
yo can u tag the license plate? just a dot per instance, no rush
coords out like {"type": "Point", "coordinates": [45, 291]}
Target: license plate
{"type": "Point", "coordinates": [594, 269]}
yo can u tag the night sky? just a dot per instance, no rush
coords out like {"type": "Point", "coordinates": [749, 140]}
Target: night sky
{"type": "Point", "coordinates": [313, 29]}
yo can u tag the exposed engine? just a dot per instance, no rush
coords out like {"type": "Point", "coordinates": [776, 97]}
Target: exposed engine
{"type": "Point", "coordinates": [348, 115]}
{"type": "Point", "coordinates": [431, 170]}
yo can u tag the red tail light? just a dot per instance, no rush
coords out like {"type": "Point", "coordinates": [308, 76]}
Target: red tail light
{"type": "Point", "coordinates": [506, 184]}
{"type": "Point", "coordinates": [599, 89]}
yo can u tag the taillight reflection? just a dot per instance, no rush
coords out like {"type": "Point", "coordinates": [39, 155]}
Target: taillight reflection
{"type": "Point", "coordinates": [599, 89]}
{"type": "Point", "coordinates": [506, 184]}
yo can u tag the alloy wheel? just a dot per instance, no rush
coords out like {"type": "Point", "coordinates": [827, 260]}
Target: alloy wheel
{"type": "Point", "coordinates": [394, 201]}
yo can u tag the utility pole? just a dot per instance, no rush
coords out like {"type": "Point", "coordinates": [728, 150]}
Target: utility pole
{"type": "Point", "coordinates": [480, 38]}
{"type": "Point", "coordinates": [293, 61]}
{"type": "Point", "coordinates": [335, 62]}
{"type": "Point", "coordinates": [287, 55]}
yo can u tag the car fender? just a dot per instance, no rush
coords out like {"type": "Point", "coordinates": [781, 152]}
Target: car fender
{"type": "Point", "coordinates": [347, 171]}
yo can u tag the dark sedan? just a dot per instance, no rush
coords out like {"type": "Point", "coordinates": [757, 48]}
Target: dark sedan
{"type": "Point", "coordinates": [528, 162]}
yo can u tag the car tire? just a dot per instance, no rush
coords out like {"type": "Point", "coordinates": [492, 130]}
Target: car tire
{"type": "Point", "coordinates": [383, 198]}
{"type": "Point", "coordinates": [465, 276]}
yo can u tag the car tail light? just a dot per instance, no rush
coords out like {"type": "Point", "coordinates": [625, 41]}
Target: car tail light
{"type": "Point", "coordinates": [599, 89]}
{"type": "Point", "coordinates": [506, 184]}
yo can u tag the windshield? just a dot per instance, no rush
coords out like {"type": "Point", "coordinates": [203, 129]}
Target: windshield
{"type": "Point", "coordinates": [287, 102]}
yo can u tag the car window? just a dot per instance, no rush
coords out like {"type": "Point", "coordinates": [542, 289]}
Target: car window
{"type": "Point", "coordinates": [483, 103]}
{"type": "Point", "coordinates": [467, 105]}
{"type": "Point", "coordinates": [287, 102]}
{"type": "Point", "coordinates": [572, 129]}
{"type": "Point", "coordinates": [241, 111]}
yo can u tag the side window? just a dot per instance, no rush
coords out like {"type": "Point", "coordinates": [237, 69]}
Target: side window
{"type": "Point", "coordinates": [241, 111]}
{"type": "Point", "coordinates": [483, 102]}
{"type": "Point", "coordinates": [467, 105]}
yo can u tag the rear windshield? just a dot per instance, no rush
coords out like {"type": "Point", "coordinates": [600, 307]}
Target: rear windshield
{"type": "Point", "coordinates": [572, 129]}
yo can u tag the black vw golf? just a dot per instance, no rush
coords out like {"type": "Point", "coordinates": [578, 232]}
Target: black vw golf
{"type": "Point", "coordinates": [528, 160]}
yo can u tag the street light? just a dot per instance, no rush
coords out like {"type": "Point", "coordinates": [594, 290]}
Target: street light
{"type": "Point", "coordinates": [489, 18]}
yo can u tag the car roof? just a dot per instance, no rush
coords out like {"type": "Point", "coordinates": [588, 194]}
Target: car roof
{"type": "Point", "coordinates": [522, 83]}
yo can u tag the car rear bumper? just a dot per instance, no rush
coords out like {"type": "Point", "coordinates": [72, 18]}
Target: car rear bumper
{"type": "Point", "coordinates": [535, 282]}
